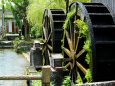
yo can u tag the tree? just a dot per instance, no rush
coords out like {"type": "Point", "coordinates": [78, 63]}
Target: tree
{"type": "Point", "coordinates": [36, 8]}
{"type": "Point", "coordinates": [19, 8]}
{"type": "Point", "coordinates": [35, 16]}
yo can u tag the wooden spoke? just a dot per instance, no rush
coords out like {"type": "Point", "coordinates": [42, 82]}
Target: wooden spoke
{"type": "Point", "coordinates": [43, 40]}
{"type": "Point", "coordinates": [77, 41]}
{"type": "Point", "coordinates": [69, 41]}
{"type": "Point", "coordinates": [69, 64]}
{"type": "Point", "coordinates": [43, 50]}
{"type": "Point", "coordinates": [71, 30]}
{"type": "Point", "coordinates": [44, 31]}
{"type": "Point", "coordinates": [74, 36]}
{"type": "Point", "coordinates": [80, 53]}
{"type": "Point", "coordinates": [49, 36]}
{"type": "Point", "coordinates": [83, 69]}
{"type": "Point", "coordinates": [66, 51]}
{"type": "Point", "coordinates": [67, 59]}
{"type": "Point", "coordinates": [50, 47]}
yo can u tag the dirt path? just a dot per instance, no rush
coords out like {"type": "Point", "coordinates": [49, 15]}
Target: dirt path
{"type": "Point", "coordinates": [12, 64]}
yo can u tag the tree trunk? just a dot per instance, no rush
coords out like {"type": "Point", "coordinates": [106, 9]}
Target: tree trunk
{"type": "Point", "coordinates": [27, 29]}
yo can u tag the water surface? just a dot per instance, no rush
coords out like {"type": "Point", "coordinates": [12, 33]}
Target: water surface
{"type": "Point", "coordinates": [12, 63]}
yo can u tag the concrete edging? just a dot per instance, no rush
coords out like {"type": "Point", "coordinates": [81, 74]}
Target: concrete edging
{"type": "Point", "coordinates": [105, 83]}
{"type": "Point", "coordinates": [27, 56]}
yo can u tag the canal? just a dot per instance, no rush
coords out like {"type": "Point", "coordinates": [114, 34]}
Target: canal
{"type": "Point", "coordinates": [12, 63]}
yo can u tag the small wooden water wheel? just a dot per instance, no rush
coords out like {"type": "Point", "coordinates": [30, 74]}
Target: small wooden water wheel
{"type": "Point", "coordinates": [52, 32]}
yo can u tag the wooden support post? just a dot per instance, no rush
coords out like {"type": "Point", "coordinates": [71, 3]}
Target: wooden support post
{"type": "Point", "coordinates": [46, 75]}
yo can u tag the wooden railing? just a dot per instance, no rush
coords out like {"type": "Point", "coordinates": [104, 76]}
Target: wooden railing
{"type": "Point", "coordinates": [44, 77]}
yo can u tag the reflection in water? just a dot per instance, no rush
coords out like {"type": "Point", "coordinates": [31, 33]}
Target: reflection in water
{"type": "Point", "coordinates": [12, 63]}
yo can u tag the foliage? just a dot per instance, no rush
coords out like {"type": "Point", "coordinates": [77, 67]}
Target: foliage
{"type": "Point", "coordinates": [35, 16]}
{"type": "Point", "coordinates": [5, 3]}
{"type": "Point", "coordinates": [69, 16]}
{"type": "Point", "coordinates": [83, 27]}
{"type": "Point", "coordinates": [79, 79]}
{"type": "Point", "coordinates": [67, 81]}
{"type": "Point", "coordinates": [84, 31]}
{"type": "Point", "coordinates": [21, 46]}
{"type": "Point", "coordinates": [18, 8]}
{"type": "Point", "coordinates": [37, 82]}
{"type": "Point", "coordinates": [89, 75]}
{"type": "Point", "coordinates": [35, 32]}
{"type": "Point", "coordinates": [83, 0]}
{"type": "Point", "coordinates": [18, 22]}
{"type": "Point", "coordinates": [16, 43]}
{"type": "Point", "coordinates": [87, 47]}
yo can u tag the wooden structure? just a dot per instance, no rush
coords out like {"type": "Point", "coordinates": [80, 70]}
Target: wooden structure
{"type": "Point", "coordinates": [101, 29]}
{"type": "Point", "coordinates": [36, 59]}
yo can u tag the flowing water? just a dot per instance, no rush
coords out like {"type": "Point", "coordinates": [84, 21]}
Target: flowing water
{"type": "Point", "coordinates": [12, 63]}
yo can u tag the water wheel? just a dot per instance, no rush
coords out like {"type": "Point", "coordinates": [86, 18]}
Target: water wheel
{"type": "Point", "coordinates": [97, 57]}
{"type": "Point", "coordinates": [52, 32]}
{"type": "Point", "coordinates": [100, 36]}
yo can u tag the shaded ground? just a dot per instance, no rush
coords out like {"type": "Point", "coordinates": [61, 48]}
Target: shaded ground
{"type": "Point", "coordinates": [12, 64]}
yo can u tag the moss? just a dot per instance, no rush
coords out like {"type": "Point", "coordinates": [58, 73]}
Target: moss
{"type": "Point", "coordinates": [83, 27]}
{"type": "Point", "coordinates": [69, 16]}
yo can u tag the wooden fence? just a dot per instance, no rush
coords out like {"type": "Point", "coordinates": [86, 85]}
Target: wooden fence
{"type": "Point", "coordinates": [44, 77]}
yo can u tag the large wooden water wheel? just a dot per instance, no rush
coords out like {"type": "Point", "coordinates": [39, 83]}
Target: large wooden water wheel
{"type": "Point", "coordinates": [89, 52]}
{"type": "Point", "coordinates": [73, 44]}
